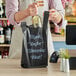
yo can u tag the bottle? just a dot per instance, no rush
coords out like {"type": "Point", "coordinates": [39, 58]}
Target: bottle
{"type": "Point", "coordinates": [36, 20]}
{"type": "Point", "coordinates": [4, 12]}
{"type": "Point", "coordinates": [8, 33]}
{"type": "Point", "coordinates": [1, 9]}
{"type": "Point", "coordinates": [1, 35]}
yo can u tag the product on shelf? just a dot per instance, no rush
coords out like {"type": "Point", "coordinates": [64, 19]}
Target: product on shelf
{"type": "Point", "coordinates": [5, 31]}
{"type": "Point", "coordinates": [8, 33]}
{"type": "Point", "coordinates": [4, 13]}
{"type": "Point", "coordinates": [1, 11]}
{"type": "Point", "coordinates": [1, 35]}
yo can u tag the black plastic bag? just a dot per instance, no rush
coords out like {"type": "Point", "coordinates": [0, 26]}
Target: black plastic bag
{"type": "Point", "coordinates": [34, 48]}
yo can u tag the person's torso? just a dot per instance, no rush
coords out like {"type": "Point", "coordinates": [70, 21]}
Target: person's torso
{"type": "Point", "coordinates": [25, 3]}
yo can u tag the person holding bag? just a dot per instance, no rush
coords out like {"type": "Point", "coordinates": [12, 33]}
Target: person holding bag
{"type": "Point", "coordinates": [18, 11]}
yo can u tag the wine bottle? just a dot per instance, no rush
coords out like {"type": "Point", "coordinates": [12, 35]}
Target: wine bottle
{"type": "Point", "coordinates": [1, 35]}
{"type": "Point", "coordinates": [4, 12]}
{"type": "Point", "coordinates": [1, 11]}
{"type": "Point", "coordinates": [8, 34]}
{"type": "Point", "coordinates": [36, 20]}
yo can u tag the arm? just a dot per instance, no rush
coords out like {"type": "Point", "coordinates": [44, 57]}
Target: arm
{"type": "Point", "coordinates": [11, 9]}
{"type": "Point", "coordinates": [30, 11]}
{"type": "Point", "coordinates": [13, 13]}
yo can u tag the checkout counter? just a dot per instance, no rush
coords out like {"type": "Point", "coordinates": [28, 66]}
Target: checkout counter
{"type": "Point", "coordinates": [11, 67]}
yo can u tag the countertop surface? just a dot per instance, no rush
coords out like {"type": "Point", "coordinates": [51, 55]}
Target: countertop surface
{"type": "Point", "coordinates": [11, 67]}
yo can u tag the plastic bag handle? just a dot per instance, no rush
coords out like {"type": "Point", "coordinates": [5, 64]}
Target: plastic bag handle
{"type": "Point", "coordinates": [45, 20]}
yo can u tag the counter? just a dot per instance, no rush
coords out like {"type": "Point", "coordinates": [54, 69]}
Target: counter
{"type": "Point", "coordinates": [11, 67]}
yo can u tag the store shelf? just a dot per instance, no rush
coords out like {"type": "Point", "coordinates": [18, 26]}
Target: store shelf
{"type": "Point", "coordinates": [3, 19]}
{"type": "Point", "coordinates": [4, 45]}
{"type": "Point", "coordinates": [71, 19]}
{"type": "Point", "coordinates": [71, 23]}
{"type": "Point", "coordinates": [58, 37]}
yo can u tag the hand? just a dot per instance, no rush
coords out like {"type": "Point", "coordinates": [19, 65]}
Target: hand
{"type": "Point", "coordinates": [32, 9]}
{"type": "Point", "coordinates": [55, 16]}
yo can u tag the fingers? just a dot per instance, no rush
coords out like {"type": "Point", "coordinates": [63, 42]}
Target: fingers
{"type": "Point", "coordinates": [32, 5]}
{"type": "Point", "coordinates": [54, 15]}
{"type": "Point", "coordinates": [33, 12]}
{"type": "Point", "coordinates": [33, 9]}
